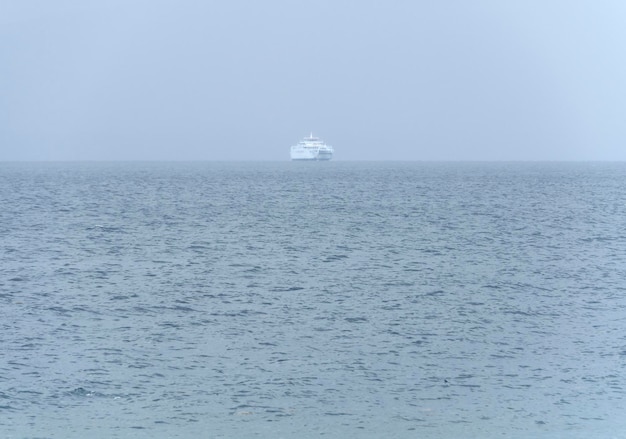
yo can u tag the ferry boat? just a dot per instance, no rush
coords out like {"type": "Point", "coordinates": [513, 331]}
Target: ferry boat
{"type": "Point", "coordinates": [311, 148]}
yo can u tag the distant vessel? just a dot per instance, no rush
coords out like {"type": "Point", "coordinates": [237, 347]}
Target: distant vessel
{"type": "Point", "coordinates": [311, 148]}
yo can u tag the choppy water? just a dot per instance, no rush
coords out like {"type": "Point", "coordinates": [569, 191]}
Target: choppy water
{"type": "Point", "coordinates": [366, 300]}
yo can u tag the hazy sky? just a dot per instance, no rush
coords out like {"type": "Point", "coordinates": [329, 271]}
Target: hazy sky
{"type": "Point", "coordinates": [244, 80]}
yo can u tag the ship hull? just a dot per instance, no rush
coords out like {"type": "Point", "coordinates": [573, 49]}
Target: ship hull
{"type": "Point", "coordinates": [311, 160]}
{"type": "Point", "coordinates": [310, 157]}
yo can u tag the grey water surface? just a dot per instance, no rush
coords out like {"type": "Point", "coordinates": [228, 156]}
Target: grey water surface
{"type": "Point", "coordinates": [335, 300]}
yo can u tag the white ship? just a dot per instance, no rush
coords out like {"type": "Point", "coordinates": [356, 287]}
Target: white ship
{"type": "Point", "coordinates": [311, 148]}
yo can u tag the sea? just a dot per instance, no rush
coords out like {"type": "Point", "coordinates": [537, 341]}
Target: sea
{"type": "Point", "coordinates": [434, 300]}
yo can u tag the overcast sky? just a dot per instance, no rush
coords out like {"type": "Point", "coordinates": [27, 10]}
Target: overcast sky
{"type": "Point", "coordinates": [378, 80]}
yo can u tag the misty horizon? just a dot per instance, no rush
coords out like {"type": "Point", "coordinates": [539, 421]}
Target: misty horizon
{"type": "Point", "coordinates": [189, 81]}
